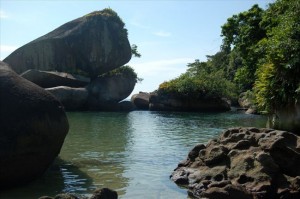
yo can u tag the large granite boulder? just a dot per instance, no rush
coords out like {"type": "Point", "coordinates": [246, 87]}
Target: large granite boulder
{"type": "Point", "coordinates": [141, 100]}
{"type": "Point", "coordinates": [91, 45]}
{"type": "Point", "coordinates": [73, 99]}
{"type": "Point", "coordinates": [243, 163]}
{"type": "Point", "coordinates": [48, 79]}
{"type": "Point", "coordinates": [172, 103]}
{"type": "Point", "coordinates": [33, 126]}
{"type": "Point", "coordinates": [109, 90]}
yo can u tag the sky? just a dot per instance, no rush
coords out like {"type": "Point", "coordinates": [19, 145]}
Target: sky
{"type": "Point", "coordinates": [169, 33]}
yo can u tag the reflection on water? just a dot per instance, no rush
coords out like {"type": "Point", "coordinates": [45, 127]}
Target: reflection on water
{"type": "Point", "coordinates": [133, 153]}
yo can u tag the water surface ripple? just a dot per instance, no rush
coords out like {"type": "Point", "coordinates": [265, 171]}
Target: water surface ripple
{"type": "Point", "coordinates": [133, 153]}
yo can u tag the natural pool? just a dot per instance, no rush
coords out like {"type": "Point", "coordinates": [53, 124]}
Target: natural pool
{"type": "Point", "coordinates": [133, 153]}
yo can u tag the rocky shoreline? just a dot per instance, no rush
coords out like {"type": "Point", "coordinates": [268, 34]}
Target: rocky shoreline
{"type": "Point", "coordinates": [243, 163]}
{"type": "Point", "coordinates": [104, 193]}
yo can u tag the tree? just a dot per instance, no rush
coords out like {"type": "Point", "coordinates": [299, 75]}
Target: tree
{"type": "Point", "coordinates": [134, 51]}
{"type": "Point", "coordinates": [282, 57]}
{"type": "Point", "coordinates": [202, 79]}
{"type": "Point", "coordinates": [241, 34]}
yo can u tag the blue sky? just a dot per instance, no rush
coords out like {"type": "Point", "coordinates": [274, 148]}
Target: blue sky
{"type": "Point", "coordinates": [169, 34]}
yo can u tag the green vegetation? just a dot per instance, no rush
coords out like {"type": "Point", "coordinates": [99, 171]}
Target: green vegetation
{"type": "Point", "coordinates": [279, 70]}
{"type": "Point", "coordinates": [134, 51]}
{"type": "Point", "coordinates": [260, 54]}
{"type": "Point", "coordinates": [202, 79]}
{"type": "Point", "coordinates": [113, 16]}
{"type": "Point", "coordinates": [125, 71]}
{"type": "Point", "coordinates": [108, 12]}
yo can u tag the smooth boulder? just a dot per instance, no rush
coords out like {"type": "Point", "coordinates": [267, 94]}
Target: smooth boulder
{"type": "Point", "coordinates": [90, 45]}
{"type": "Point", "coordinates": [141, 100]}
{"type": "Point", "coordinates": [106, 91]}
{"type": "Point", "coordinates": [73, 99]}
{"type": "Point", "coordinates": [33, 126]}
{"type": "Point", "coordinates": [243, 163]}
{"type": "Point", "coordinates": [48, 79]}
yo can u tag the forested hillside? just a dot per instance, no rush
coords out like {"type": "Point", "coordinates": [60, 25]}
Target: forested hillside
{"type": "Point", "coordinates": [260, 54]}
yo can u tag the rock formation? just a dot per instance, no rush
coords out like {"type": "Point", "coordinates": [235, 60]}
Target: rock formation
{"type": "Point", "coordinates": [141, 100]}
{"type": "Point", "coordinates": [72, 62]}
{"type": "Point", "coordinates": [246, 102]}
{"type": "Point", "coordinates": [104, 193]}
{"type": "Point", "coordinates": [109, 90]}
{"type": "Point", "coordinates": [93, 44]}
{"type": "Point", "coordinates": [73, 99]}
{"type": "Point", "coordinates": [243, 163]}
{"type": "Point", "coordinates": [33, 126]}
{"type": "Point", "coordinates": [48, 79]}
{"type": "Point", "coordinates": [286, 118]}
{"type": "Point", "coordinates": [171, 103]}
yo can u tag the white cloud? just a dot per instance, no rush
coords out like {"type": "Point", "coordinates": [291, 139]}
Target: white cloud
{"type": "Point", "coordinates": [156, 72]}
{"type": "Point", "coordinates": [7, 48]}
{"type": "Point", "coordinates": [138, 24]}
{"type": "Point", "coordinates": [162, 34]}
{"type": "Point", "coordinates": [160, 67]}
{"type": "Point", "coordinates": [3, 15]}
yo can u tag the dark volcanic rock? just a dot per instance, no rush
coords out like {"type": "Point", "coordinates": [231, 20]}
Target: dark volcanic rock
{"type": "Point", "coordinates": [33, 126]}
{"type": "Point", "coordinates": [141, 100]}
{"type": "Point", "coordinates": [243, 163]}
{"type": "Point", "coordinates": [48, 79]}
{"type": "Point", "coordinates": [93, 44]}
{"type": "Point", "coordinates": [73, 99]}
{"type": "Point", "coordinates": [170, 103]}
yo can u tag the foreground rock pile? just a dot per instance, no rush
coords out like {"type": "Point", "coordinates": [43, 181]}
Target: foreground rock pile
{"type": "Point", "coordinates": [243, 163]}
{"type": "Point", "coordinates": [33, 126]}
{"type": "Point", "coordinates": [104, 193]}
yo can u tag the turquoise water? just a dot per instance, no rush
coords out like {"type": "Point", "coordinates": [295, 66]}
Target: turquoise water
{"type": "Point", "coordinates": [133, 153]}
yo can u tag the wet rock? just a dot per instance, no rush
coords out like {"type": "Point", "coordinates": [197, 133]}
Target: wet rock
{"type": "Point", "coordinates": [243, 163]}
{"type": "Point", "coordinates": [33, 126]}
{"type": "Point", "coordinates": [104, 193]}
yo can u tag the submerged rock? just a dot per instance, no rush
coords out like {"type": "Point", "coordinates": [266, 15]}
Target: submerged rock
{"type": "Point", "coordinates": [33, 126]}
{"type": "Point", "coordinates": [93, 44]}
{"type": "Point", "coordinates": [243, 163]}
